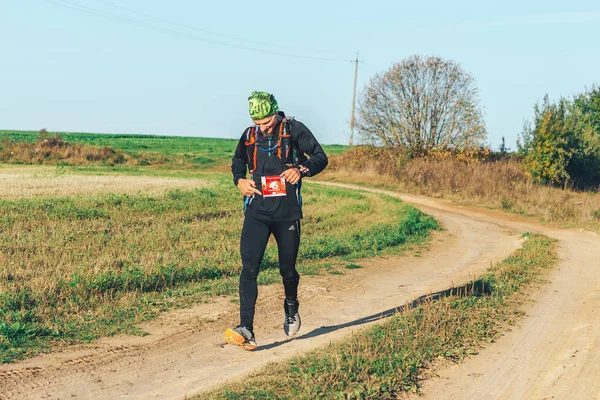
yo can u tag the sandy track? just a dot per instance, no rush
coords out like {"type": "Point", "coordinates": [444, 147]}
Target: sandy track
{"type": "Point", "coordinates": [184, 353]}
{"type": "Point", "coordinates": [555, 352]}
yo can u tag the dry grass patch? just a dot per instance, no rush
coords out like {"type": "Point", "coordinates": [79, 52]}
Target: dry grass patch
{"type": "Point", "coordinates": [501, 184]}
{"type": "Point", "coordinates": [44, 181]}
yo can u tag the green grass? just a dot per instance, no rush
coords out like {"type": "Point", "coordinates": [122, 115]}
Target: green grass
{"type": "Point", "coordinates": [76, 268]}
{"type": "Point", "coordinates": [353, 266]}
{"type": "Point", "coordinates": [383, 361]}
{"type": "Point", "coordinates": [168, 145]}
{"type": "Point", "coordinates": [178, 151]}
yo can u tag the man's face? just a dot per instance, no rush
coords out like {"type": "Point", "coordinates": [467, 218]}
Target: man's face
{"type": "Point", "coordinates": [267, 125]}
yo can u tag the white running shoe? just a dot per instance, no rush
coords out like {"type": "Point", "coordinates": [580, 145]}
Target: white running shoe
{"type": "Point", "coordinates": [291, 322]}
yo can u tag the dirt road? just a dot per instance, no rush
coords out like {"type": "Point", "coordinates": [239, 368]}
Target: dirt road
{"type": "Point", "coordinates": [554, 354]}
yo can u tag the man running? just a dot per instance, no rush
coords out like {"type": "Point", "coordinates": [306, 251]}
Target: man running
{"type": "Point", "coordinates": [274, 151]}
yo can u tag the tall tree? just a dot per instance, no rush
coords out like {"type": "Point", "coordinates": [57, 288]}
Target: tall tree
{"type": "Point", "coordinates": [552, 143]}
{"type": "Point", "coordinates": [424, 104]}
{"type": "Point", "coordinates": [588, 104]}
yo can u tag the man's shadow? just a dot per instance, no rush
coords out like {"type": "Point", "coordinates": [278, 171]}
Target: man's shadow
{"type": "Point", "coordinates": [475, 288]}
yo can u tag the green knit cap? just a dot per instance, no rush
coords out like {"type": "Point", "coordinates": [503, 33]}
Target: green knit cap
{"type": "Point", "coordinates": [262, 105]}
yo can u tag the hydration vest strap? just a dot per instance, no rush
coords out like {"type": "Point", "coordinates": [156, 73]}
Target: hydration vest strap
{"type": "Point", "coordinates": [281, 129]}
{"type": "Point", "coordinates": [298, 191]}
{"type": "Point", "coordinates": [251, 141]}
{"type": "Point", "coordinates": [284, 133]}
{"type": "Point", "coordinates": [268, 150]}
{"type": "Point", "coordinates": [255, 149]}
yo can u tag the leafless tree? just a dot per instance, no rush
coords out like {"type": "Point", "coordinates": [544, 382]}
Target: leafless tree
{"type": "Point", "coordinates": [424, 104]}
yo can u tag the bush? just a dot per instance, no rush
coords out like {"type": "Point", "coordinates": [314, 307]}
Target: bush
{"type": "Point", "coordinates": [562, 145]}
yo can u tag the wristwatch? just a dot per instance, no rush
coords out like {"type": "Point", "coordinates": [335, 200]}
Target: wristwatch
{"type": "Point", "coordinates": [303, 171]}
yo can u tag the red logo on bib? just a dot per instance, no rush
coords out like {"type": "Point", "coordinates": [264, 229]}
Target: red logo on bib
{"type": "Point", "coordinates": [273, 186]}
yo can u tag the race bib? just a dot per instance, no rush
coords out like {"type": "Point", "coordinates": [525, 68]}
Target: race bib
{"type": "Point", "coordinates": [273, 186]}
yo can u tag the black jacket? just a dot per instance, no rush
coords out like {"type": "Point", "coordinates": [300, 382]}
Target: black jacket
{"type": "Point", "coordinates": [284, 208]}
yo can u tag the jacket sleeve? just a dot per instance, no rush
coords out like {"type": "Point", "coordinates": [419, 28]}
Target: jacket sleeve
{"type": "Point", "coordinates": [310, 146]}
{"type": "Point", "coordinates": [238, 162]}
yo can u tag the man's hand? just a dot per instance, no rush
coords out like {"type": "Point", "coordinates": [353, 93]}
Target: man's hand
{"type": "Point", "coordinates": [291, 175]}
{"type": "Point", "coordinates": [248, 187]}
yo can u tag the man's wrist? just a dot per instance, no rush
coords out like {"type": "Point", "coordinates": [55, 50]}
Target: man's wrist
{"type": "Point", "coordinates": [303, 171]}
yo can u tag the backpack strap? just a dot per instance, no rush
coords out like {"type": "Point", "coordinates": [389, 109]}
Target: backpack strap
{"type": "Point", "coordinates": [251, 147]}
{"type": "Point", "coordinates": [285, 133]}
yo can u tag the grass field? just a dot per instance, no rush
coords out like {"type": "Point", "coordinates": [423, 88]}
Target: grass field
{"type": "Point", "coordinates": [168, 152]}
{"type": "Point", "coordinates": [48, 181]}
{"type": "Point", "coordinates": [383, 361]}
{"type": "Point", "coordinates": [76, 265]}
{"type": "Point", "coordinates": [116, 228]}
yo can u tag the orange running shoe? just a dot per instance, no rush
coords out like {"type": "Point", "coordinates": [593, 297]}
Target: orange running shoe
{"type": "Point", "coordinates": [241, 336]}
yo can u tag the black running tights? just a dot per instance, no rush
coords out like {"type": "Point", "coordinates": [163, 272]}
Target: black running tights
{"type": "Point", "coordinates": [255, 235]}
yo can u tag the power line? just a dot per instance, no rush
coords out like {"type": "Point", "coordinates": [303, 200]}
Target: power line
{"type": "Point", "coordinates": [173, 32]}
{"type": "Point", "coordinates": [102, 14]}
{"type": "Point", "coordinates": [193, 27]}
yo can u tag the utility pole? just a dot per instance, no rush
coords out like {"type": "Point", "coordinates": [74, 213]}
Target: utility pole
{"type": "Point", "coordinates": [353, 102]}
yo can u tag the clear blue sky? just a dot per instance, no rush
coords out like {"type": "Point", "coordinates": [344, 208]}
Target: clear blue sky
{"type": "Point", "coordinates": [68, 70]}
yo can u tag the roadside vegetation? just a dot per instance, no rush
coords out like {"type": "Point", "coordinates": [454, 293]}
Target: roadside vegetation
{"type": "Point", "coordinates": [75, 268]}
{"type": "Point", "coordinates": [561, 146]}
{"type": "Point", "coordinates": [388, 359]}
{"type": "Point", "coordinates": [553, 175]}
{"type": "Point", "coordinates": [493, 181]}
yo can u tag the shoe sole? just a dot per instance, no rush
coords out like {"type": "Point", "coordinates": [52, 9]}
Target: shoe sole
{"type": "Point", "coordinates": [234, 338]}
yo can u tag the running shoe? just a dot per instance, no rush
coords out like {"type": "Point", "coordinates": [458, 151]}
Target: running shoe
{"type": "Point", "coordinates": [291, 322]}
{"type": "Point", "coordinates": [241, 336]}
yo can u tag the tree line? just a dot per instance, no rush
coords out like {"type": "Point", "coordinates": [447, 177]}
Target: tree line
{"type": "Point", "coordinates": [561, 146]}
{"type": "Point", "coordinates": [429, 105]}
